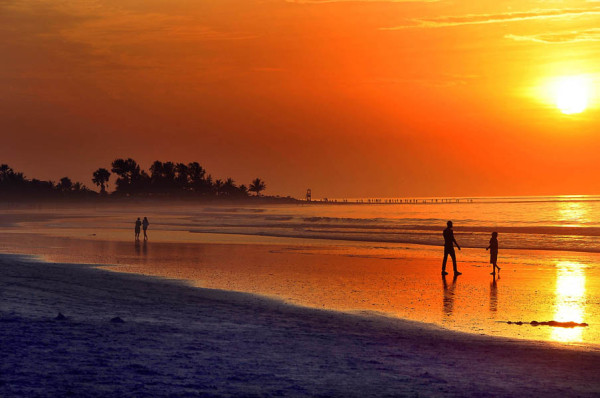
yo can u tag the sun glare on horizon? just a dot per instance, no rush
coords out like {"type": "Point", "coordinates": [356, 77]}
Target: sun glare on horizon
{"type": "Point", "coordinates": [572, 94]}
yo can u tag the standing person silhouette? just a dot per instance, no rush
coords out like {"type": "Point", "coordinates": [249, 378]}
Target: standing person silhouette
{"type": "Point", "coordinates": [138, 224]}
{"type": "Point", "coordinates": [145, 224]}
{"type": "Point", "coordinates": [493, 248]}
{"type": "Point", "coordinates": [449, 243]}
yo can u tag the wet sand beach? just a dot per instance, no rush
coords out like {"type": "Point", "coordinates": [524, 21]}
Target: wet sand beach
{"type": "Point", "coordinates": [184, 341]}
{"type": "Point", "coordinates": [401, 282]}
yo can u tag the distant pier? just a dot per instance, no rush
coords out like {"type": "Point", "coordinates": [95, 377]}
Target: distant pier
{"type": "Point", "coordinates": [392, 201]}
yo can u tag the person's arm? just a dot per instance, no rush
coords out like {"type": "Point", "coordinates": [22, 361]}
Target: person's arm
{"type": "Point", "coordinates": [454, 240]}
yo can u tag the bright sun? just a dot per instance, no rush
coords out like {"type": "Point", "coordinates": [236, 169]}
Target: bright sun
{"type": "Point", "coordinates": [572, 94]}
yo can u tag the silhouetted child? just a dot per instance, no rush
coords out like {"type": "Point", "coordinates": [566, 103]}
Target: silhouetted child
{"type": "Point", "coordinates": [493, 248]}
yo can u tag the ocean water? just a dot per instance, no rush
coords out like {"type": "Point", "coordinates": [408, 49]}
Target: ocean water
{"type": "Point", "coordinates": [565, 223]}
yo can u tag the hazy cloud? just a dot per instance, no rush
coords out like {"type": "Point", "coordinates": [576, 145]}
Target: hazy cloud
{"type": "Point", "coordinates": [443, 80]}
{"type": "Point", "coordinates": [560, 37]}
{"type": "Point", "coordinates": [359, 1]}
{"type": "Point", "coordinates": [133, 28]}
{"type": "Point", "coordinates": [478, 19]}
{"type": "Point", "coordinates": [85, 21]}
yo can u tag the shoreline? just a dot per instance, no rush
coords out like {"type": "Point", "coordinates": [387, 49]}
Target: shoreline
{"type": "Point", "coordinates": [349, 281]}
{"type": "Point", "coordinates": [178, 339]}
{"type": "Point", "coordinates": [376, 318]}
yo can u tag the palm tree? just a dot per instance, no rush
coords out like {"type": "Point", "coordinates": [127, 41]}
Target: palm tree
{"type": "Point", "coordinates": [197, 178]}
{"type": "Point", "coordinates": [242, 190]}
{"type": "Point", "coordinates": [156, 176]}
{"type": "Point", "coordinates": [169, 175]}
{"type": "Point", "coordinates": [5, 171]}
{"type": "Point", "coordinates": [218, 187]}
{"type": "Point", "coordinates": [182, 176]}
{"type": "Point", "coordinates": [156, 169]}
{"type": "Point", "coordinates": [163, 177]}
{"type": "Point", "coordinates": [229, 188]}
{"type": "Point", "coordinates": [10, 179]}
{"type": "Point", "coordinates": [143, 184]}
{"type": "Point", "coordinates": [208, 187]}
{"type": "Point", "coordinates": [129, 175]}
{"type": "Point", "coordinates": [100, 178]}
{"type": "Point", "coordinates": [257, 186]}
{"type": "Point", "coordinates": [65, 184]}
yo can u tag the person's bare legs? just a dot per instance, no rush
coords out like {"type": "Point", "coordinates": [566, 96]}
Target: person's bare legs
{"type": "Point", "coordinates": [453, 255]}
{"type": "Point", "coordinates": [444, 262]}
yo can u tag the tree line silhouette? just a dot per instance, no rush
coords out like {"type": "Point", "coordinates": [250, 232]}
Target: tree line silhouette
{"type": "Point", "coordinates": [163, 179]}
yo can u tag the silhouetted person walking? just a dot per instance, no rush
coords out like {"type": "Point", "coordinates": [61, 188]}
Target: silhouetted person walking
{"type": "Point", "coordinates": [449, 243]}
{"type": "Point", "coordinates": [138, 225]}
{"type": "Point", "coordinates": [145, 224]}
{"type": "Point", "coordinates": [493, 248]}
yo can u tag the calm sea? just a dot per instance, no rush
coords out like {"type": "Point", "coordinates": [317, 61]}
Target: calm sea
{"type": "Point", "coordinates": [566, 223]}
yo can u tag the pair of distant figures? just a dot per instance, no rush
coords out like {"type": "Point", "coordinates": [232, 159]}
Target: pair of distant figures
{"type": "Point", "coordinates": [138, 225]}
{"type": "Point", "coordinates": [449, 243]}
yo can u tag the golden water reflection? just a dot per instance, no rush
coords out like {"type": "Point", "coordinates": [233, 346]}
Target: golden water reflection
{"type": "Point", "coordinates": [570, 300]}
{"type": "Point", "coordinates": [494, 296]}
{"type": "Point", "coordinates": [448, 302]}
{"type": "Point", "coordinates": [573, 213]}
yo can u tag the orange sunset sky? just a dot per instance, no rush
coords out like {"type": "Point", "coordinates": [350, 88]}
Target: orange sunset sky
{"type": "Point", "coordinates": [349, 98]}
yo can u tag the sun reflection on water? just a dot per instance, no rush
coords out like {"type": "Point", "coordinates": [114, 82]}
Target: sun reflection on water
{"type": "Point", "coordinates": [573, 213]}
{"type": "Point", "coordinates": [570, 300]}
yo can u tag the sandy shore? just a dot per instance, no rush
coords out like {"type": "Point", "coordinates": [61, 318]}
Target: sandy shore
{"type": "Point", "coordinates": [398, 282]}
{"type": "Point", "coordinates": [178, 340]}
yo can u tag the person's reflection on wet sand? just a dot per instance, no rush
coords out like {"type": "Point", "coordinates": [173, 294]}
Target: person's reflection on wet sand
{"type": "Point", "coordinates": [448, 295]}
{"type": "Point", "coordinates": [137, 247]}
{"type": "Point", "coordinates": [145, 248]}
{"type": "Point", "coordinates": [494, 295]}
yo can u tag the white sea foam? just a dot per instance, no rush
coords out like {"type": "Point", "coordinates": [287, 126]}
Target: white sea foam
{"type": "Point", "coordinates": [546, 223]}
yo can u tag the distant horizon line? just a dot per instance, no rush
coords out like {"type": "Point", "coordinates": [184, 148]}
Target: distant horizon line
{"type": "Point", "coordinates": [387, 199]}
